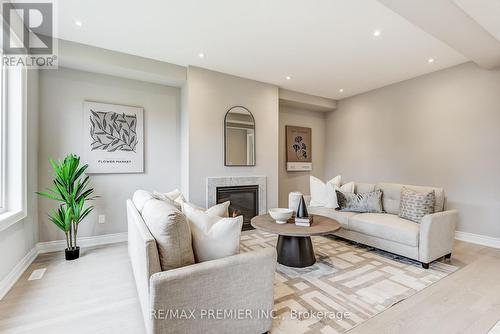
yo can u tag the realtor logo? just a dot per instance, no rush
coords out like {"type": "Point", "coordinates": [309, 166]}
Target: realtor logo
{"type": "Point", "coordinates": [28, 32]}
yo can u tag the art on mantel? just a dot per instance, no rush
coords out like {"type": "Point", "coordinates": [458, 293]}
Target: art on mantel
{"type": "Point", "coordinates": [113, 138]}
{"type": "Point", "coordinates": [298, 148]}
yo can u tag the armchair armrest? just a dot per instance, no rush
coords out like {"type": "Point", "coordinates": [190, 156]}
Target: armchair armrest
{"type": "Point", "coordinates": [437, 234]}
{"type": "Point", "coordinates": [207, 291]}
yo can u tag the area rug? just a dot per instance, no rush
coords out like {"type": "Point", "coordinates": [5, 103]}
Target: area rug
{"type": "Point", "coordinates": [348, 284]}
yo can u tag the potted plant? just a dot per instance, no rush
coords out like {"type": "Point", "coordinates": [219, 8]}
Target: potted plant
{"type": "Point", "coordinates": [71, 189]}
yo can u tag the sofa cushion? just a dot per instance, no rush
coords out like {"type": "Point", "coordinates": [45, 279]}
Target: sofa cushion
{"type": "Point", "coordinates": [171, 231]}
{"type": "Point", "coordinates": [360, 187]}
{"type": "Point", "coordinates": [392, 195]}
{"type": "Point", "coordinates": [386, 226]}
{"type": "Point", "coordinates": [341, 216]}
{"type": "Point", "coordinates": [347, 187]}
{"type": "Point", "coordinates": [140, 198]}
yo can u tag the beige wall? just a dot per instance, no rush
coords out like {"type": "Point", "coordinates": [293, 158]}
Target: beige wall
{"type": "Point", "coordinates": [299, 181]}
{"type": "Point", "coordinates": [441, 129]}
{"type": "Point", "coordinates": [62, 93]}
{"type": "Point", "coordinates": [20, 238]}
{"type": "Point", "coordinates": [209, 96]}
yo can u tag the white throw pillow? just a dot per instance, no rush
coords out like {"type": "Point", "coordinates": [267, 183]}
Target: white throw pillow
{"type": "Point", "coordinates": [213, 237]}
{"type": "Point", "coordinates": [173, 197]}
{"type": "Point", "coordinates": [140, 198]}
{"type": "Point", "coordinates": [323, 195]}
{"type": "Point", "coordinates": [173, 194]}
{"type": "Point", "coordinates": [337, 180]}
{"type": "Point", "coordinates": [219, 210]}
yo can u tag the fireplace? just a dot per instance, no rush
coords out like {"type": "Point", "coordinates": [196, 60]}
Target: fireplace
{"type": "Point", "coordinates": [244, 201]}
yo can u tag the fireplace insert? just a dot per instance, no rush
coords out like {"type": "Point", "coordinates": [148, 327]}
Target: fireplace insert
{"type": "Point", "coordinates": [244, 201]}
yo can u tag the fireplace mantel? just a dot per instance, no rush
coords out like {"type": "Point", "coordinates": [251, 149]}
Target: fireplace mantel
{"type": "Point", "coordinates": [232, 181]}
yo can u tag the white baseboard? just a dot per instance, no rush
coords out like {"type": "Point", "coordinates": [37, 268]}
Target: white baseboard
{"type": "Point", "coordinates": [8, 282]}
{"type": "Point", "coordinates": [478, 239]}
{"type": "Point", "coordinates": [54, 246]}
{"type": "Point", "coordinates": [59, 245]}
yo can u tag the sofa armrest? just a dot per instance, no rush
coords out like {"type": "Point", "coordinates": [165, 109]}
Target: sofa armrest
{"type": "Point", "coordinates": [437, 234]}
{"type": "Point", "coordinates": [241, 283]}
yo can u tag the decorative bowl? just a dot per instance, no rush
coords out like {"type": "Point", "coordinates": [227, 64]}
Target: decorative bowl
{"type": "Point", "coordinates": [281, 215]}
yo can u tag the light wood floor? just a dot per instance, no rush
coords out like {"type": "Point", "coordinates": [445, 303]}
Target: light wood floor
{"type": "Point", "coordinates": [96, 294]}
{"type": "Point", "coordinates": [467, 301]}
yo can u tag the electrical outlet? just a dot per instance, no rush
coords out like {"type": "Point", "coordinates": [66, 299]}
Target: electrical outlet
{"type": "Point", "coordinates": [102, 219]}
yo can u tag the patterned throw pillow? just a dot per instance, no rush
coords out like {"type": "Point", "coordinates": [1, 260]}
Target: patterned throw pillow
{"type": "Point", "coordinates": [414, 205]}
{"type": "Point", "coordinates": [363, 202]}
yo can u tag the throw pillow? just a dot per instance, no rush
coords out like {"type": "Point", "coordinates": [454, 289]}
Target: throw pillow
{"type": "Point", "coordinates": [174, 197]}
{"type": "Point", "coordinates": [332, 202]}
{"type": "Point", "coordinates": [337, 180]}
{"type": "Point", "coordinates": [219, 210]}
{"type": "Point", "coordinates": [415, 205]}
{"type": "Point", "coordinates": [363, 202]}
{"type": "Point", "coordinates": [174, 194]}
{"type": "Point", "coordinates": [140, 198]}
{"type": "Point", "coordinates": [171, 231]}
{"type": "Point", "coordinates": [213, 237]}
{"type": "Point", "coordinates": [323, 194]}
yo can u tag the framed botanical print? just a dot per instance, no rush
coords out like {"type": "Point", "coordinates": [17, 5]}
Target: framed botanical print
{"type": "Point", "coordinates": [113, 138]}
{"type": "Point", "coordinates": [298, 148]}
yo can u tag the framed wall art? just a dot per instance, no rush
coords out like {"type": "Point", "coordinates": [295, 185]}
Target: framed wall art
{"type": "Point", "coordinates": [113, 138]}
{"type": "Point", "coordinates": [298, 148]}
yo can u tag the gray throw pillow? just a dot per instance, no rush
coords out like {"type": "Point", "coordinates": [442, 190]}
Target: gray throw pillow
{"type": "Point", "coordinates": [414, 205]}
{"type": "Point", "coordinates": [171, 231]}
{"type": "Point", "coordinates": [363, 202]}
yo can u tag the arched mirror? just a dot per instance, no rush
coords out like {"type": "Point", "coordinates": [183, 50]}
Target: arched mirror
{"type": "Point", "coordinates": [239, 137]}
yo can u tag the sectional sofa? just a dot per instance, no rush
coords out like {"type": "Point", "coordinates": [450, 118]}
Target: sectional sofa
{"type": "Point", "coordinates": [425, 242]}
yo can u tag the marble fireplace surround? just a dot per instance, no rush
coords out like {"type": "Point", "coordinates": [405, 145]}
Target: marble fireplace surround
{"type": "Point", "coordinates": [232, 181]}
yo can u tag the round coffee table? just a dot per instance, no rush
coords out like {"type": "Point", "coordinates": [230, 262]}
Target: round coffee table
{"type": "Point", "coordinates": [294, 245]}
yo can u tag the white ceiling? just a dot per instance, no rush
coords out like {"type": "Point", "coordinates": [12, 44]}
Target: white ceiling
{"type": "Point", "coordinates": [484, 12]}
{"type": "Point", "coordinates": [324, 45]}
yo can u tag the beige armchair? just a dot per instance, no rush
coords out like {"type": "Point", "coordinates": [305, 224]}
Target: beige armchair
{"type": "Point", "coordinates": [229, 295]}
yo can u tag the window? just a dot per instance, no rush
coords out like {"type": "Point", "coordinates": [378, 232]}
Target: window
{"type": "Point", "coordinates": [12, 146]}
{"type": "Point", "coordinates": [2, 141]}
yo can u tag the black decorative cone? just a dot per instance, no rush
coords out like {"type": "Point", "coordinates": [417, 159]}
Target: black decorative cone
{"type": "Point", "coordinates": [302, 209]}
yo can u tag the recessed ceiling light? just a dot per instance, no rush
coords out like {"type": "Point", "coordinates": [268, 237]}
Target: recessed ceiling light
{"type": "Point", "coordinates": [288, 77]}
{"type": "Point", "coordinates": [201, 55]}
{"type": "Point", "coordinates": [78, 23]}
{"type": "Point", "coordinates": [430, 60]}
{"type": "Point", "coordinates": [377, 33]}
{"type": "Point", "coordinates": [341, 90]}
